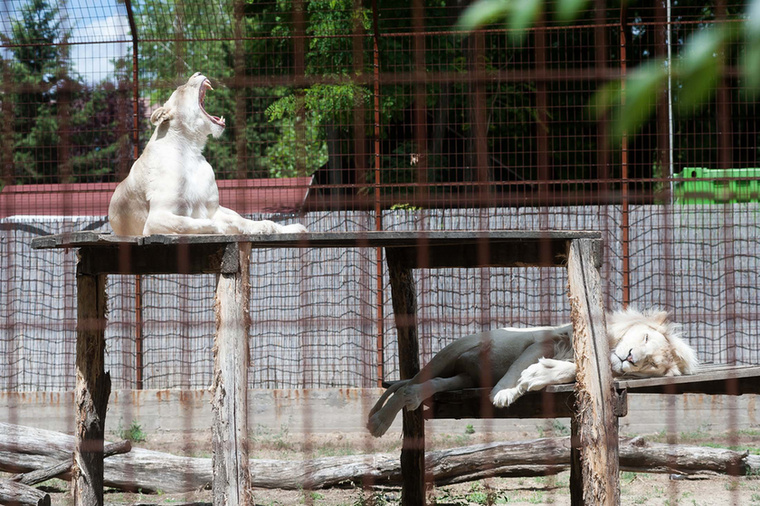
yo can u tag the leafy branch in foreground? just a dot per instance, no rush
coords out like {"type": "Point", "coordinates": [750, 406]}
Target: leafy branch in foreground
{"type": "Point", "coordinates": [632, 101]}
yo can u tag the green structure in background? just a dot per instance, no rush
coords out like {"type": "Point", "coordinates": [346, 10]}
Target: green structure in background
{"type": "Point", "coordinates": [697, 185]}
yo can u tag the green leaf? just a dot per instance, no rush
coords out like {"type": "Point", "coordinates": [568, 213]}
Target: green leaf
{"type": "Point", "coordinates": [482, 13]}
{"type": "Point", "coordinates": [750, 60]}
{"type": "Point", "coordinates": [640, 96]}
{"type": "Point", "coordinates": [750, 65]}
{"type": "Point", "coordinates": [699, 69]}
{"type": "Point", "coordinates": [606, 98]}
{"type": "Point", "coordinates": [524, 14]}
{"type": "Point", "coordinates": [568, 10]}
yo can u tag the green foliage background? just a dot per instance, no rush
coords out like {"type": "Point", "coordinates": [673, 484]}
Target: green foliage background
{"type": "Point", "coordinates": [66, 129]}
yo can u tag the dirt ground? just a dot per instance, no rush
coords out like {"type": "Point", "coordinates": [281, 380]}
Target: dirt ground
{"type": "Point", "coordinates": [636, 488]}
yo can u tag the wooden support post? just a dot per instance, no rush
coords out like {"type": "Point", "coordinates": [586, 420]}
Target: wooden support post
{"type": "Point", "coordinates": [232, 480]}
{"type": "Point", "coordinates": [93, 386]}
{"type": "Point", "coordinates": [405, 310]}
{"type": "Point", "coordinates": [595, 465]}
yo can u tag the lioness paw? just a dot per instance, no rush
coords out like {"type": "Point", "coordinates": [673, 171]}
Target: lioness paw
{"type": "Point", "coordinates": [295, 228]}
{"type": "Point", "coordinates": [260, 227]}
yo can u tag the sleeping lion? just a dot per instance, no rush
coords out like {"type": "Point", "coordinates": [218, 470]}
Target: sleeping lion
{"type": "Point", "coordinates": [642, 344]}
{"type": "Point", "coordinates": [171, 188]}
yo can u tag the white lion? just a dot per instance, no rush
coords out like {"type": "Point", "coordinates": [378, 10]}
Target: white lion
{"type": "Point", "coordinates": [171, 188]}
{"type": "Point", "coordinates": [642, 344]}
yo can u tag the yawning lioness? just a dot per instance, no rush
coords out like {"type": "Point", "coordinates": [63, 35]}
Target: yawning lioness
{"type": "Point", "coordinates": [171, 188]}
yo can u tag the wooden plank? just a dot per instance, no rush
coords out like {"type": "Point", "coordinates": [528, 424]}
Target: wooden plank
{"type": "Point", "coordinates": [229, 404]}
{"type": "Point", "coordinates": [404, 298]}
{"type": "Point", "coordinates": [369, 239]}
{"type": "Point", "coordinates": [93, 386]}
{"type": "Point", "coordinates": [594, 426]}
{"type": "Point", "coordinates": [707, 380]}
{"type": "Point", "coordinates": [197, 254]}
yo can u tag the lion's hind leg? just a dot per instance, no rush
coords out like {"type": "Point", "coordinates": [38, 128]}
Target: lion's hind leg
{"type": "Point", "coordinates": [416, 393]}
{"type": "Point", "coordinates": [383, 413]}
{"type": "Point", "coordinates": [388, 392]}
{"type": "Point", "coordinates": [409, 394]}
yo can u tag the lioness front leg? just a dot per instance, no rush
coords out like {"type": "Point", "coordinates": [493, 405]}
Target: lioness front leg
{"type": "Point", "coordinates": [233, 223]}
{"type": "Point", "coordinates": [166, 222]}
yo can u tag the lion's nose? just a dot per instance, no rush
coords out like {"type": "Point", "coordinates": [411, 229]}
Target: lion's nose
{"type": "Point", "coordinates": [629, 358]}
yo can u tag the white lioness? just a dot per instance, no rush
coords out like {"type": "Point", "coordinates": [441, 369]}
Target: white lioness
{"type": "Point", "coordinates": [642, 344]}
{"type": "Point", "coordinates": [171, 188]}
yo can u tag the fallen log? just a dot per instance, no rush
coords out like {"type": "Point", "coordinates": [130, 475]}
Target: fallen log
{"type": "Point", "coordinates": [25, 449]}
{"type": "Point", "coordinates": [62, 469]}
{"type": "Point", "coordinates": [154, 471]}
{"type": "Point", "coordinates": [19, 494]}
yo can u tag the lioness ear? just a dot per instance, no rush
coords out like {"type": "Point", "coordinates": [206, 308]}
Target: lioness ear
{"type": "Point", "coordinates": [160, 115]}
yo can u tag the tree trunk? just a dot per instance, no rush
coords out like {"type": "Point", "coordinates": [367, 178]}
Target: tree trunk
{"type": "Point", "coordinates": [18, 494]}
{"type": "Point", "coordinates": [63, 469]}
{"type": "Point", "coordinates": [24, 449]}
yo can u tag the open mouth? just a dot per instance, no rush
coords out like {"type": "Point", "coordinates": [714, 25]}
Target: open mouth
{"type": "Point", "coordinates": [217, 120]}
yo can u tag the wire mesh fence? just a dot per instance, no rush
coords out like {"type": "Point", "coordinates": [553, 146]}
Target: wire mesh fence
{"type": "Point", "coordinates": [322, 304]}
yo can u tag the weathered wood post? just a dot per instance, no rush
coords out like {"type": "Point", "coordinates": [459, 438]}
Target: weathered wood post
{"type": "Point", "coordinates": [232, 480]}
{"type": "Point", "coordinates": [93, 385]}
{"type": "Point", "coordinates": [405, 311]}
{"type": "Point", "coordinates": [594, 460]}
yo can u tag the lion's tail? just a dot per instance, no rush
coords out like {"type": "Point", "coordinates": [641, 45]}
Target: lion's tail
{"type": "Point", "coordinates": [388, 392]}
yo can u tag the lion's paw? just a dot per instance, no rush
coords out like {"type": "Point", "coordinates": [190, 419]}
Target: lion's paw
{"type": "Point", "coordinates": [377, 425]}
{"type": "Point", "coordinates": [503, 398]}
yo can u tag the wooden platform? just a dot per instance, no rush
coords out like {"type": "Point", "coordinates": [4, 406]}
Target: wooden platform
{"type": "Point", "coordinates": [103, 254]}
{"type": "Point", "coordinates": [557, 400]}
{"type": "Point", "coordinates": [171, 254]}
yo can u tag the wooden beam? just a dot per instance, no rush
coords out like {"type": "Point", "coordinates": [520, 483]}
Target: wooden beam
{"type": "Point", "coordinates": [93, 386]}
{"type": "Point", "coordinates": [403, 293]}
{"type": "Point", "coordinates": [190, 258]}
{"type": "Point", "coordinates": [369, 239]}
{"type": "Point", "coordinates": [469, 403]}
{"type": "Point", "coordinates": [232, 480]}
{"type": "Point", "coordinates": [518, 253]}
{"type": "Point", "coordinates": [594, 464]}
